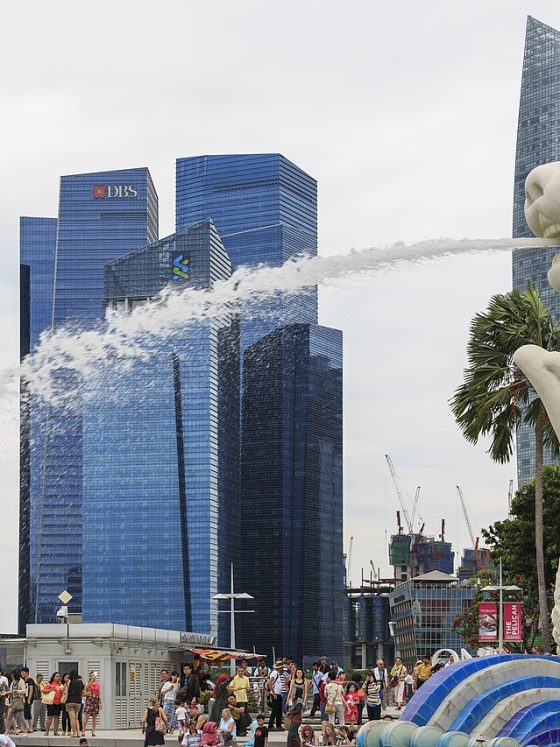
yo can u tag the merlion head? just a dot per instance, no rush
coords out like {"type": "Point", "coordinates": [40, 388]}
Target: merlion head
{"type": "Point", "coordinates": [542, 200]}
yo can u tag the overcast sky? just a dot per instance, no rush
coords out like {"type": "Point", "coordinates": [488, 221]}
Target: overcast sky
{"type": "Point", "coordinates": [406, 114]}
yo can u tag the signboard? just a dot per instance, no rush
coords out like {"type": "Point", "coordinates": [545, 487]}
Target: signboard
{"type": "Point", "coordinates": [180, 264]}
{"type": "Point", "coordinates": [488, 621]}
{"type": "Point", "coordinates": [120, 191]}
{"type": "Point", "coordinates": [513, 621]}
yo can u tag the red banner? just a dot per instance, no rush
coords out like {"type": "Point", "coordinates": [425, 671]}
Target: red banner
{"type": "Point", "coordinates": [513, 621]}
{"type": "Point", "coordinates": [488, 621]}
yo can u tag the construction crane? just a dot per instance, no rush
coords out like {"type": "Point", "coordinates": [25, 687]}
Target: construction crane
{"type": "Point", "coordinates": [415, 504]}
{"type": "Point", "coordinates": [349, 562]}
{"type": "Point", "coordinates": [510, 495]}
{"type": "Point", "coordinates": [399, 494]}
{"type": "Point", "coordinates": [468, 522]}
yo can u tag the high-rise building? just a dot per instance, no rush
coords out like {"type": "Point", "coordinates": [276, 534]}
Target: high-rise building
{"type": "Point", "coordinates": [265, 210]}
{"type": "Point", "coordinates": [161, 452]}
{"type": "Point", "coordinates": [538, 142]}
{"type": "Point", "coordinates": [291, 493]}
{"type": "Point", "coordinates": [101, 216]}
{"type": "Point", "coordinates": [37, 254]}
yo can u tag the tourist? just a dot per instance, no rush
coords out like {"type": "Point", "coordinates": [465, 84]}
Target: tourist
{"type": "Point", "coordinates": [4, 687]}
{"type": "Point", "coordinates": [211, 735]}
{"type": "Point", "coordinates": [151, 726]}
{"type": "Point", "coordinates": [329, 734]}
{"type": "Point", "coordinates": [65, 721]}
{"type": "Point", "coordinates": [83, 742]}
{"type": "Point", "coordinates": [275, 686]}
{"type": "Point", "coordinates": [52, 694]}
{"type": "Point", "coordinates": [450, 660]}
{"type": "Point", "coordinates": [93, 704]}
{"type": "Point", "coordinates": [164, 676]}
{"type": "Point", "coordinates": [260, 733]}
{"type": "Point", "coordinates": [190, 685]}
{"type": "Point", "coordinates": [423, 671]}
{"type": "Point", "coordinates": [323, 665]}
{"type": "Point", "coordinates": [299, 688]}
{"type": "Point", "coordinates": [347, 736]}
{"type": "Point", "coordinates": [323, 700]}
{"type": "Point", "coordinates": [239, 687]}
{"type": "Point", "coordinates": [307, 736]}
{"type": "Point", "coordinates": [336, 702]}
{"type": "Point", "coordinates": [169, 691]}
{"type": "Point", "coordinates": [381, 675]}
{"type": "Point", "coordinates": [316, 679]}
{"type": "Point", "coordinates": [182, 719]}
{"type": "Point", "coordinates": [408, 686]}
{"type": "Point", "coordinates": [74, 700]}
{"type": "Point", "coordinates": [240, 714]}
{"type": "Point", "coordinates": [192, 736]}
{"type": "Point", "coordinates": [294, 717]}
{"type": "Point", "coordinates": [398, 676]}
{"type": "Point", "coordinates": [39, 708]}
{"type": "Point", "coordinates": [220, 697]}
{"type": "Point", "coordinates": [261, 669]}
{"type": "Point", "coordinates": [286, 676]}
{"type": "Point", "coordinates": [5, 741]}
{"type": "Point", "coordinates": [28, 700]}
{"type": "Point", "coordinates": [227, 726]}
{"type": "Point", "coordinates": [16, 699]}
{"type": "Point", "coordinates": [374, 697]}
{"type": "Point", "coordinates": [352, 703]}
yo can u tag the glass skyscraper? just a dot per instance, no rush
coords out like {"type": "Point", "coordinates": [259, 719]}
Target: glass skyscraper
{"type": "Point", "coordinates": [161, 452]}
{"type": "Point", "coordinates": [538, 142]}
{"type": "Point", "coordinates": [265, 210]}
{"type": "Point", "coordinates": [101, 216]}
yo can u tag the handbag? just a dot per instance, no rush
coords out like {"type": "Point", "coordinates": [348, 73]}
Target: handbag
{"type": "Point", "coordinates": [64, 696]}
{"type": "Point", "coordinates": [16, 703]}
{"type": "Point", "coordinates": [329, 708]}
{"type": "Point", "coordinates": [394, 681]}
{"type": "Point", "coordinates": [160, 726]}
{"type": "Point", "coordinates": [48, 697]}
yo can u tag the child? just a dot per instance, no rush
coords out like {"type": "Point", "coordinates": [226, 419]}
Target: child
{"type": "Point", "coordinates": [261, 732]}
{"type": "Point", "coordinates": [181, 717]}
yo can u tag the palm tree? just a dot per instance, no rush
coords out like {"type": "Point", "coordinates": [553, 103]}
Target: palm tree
{"type": "Point", "coordinates": [496, 397]}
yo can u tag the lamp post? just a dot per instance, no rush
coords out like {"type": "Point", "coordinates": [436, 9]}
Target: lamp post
{"type": "Point", "coordinates": [501, 588]}
{"type": "Point", "coordinates": [65, 597]}
{"type": "Point", "coordinates": [232, 596]}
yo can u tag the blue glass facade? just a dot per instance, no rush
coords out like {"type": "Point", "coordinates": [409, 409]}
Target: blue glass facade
{"type": "Point", "coordinates": [291, 493]}
{"type": "Point", "coordinates": [37, 257]}
{"type": "Point", "coordinates": [538, 141]}
{"type": "Point", "coordinates": [101, 215]}
{"type": "Point", "coordinates": [169, 430]}
{"type": "Point", "coordinates": [265, 210]}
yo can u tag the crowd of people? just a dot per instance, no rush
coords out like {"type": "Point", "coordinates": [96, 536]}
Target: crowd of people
{"type": "Point", "coordinates": [287, 692]}
{"type": "Point", "coordinates": [65, 702]}
{"type": "Point", "coordinates": [68, 703]}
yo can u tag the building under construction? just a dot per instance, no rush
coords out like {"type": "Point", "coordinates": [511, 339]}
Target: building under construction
{"type": "Point", "coordinates": [415, 554]}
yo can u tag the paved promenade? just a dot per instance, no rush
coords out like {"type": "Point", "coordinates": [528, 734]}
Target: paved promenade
{"type": "Point", "coordinates": [134, 738]}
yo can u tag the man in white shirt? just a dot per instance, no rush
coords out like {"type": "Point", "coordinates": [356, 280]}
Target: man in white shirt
{"type": "Point", "coordinates": [275, 685]}
{"type": "Point", "coordinates": [5, 741]}
{"type": "Point", "coordinates": [4, 687]}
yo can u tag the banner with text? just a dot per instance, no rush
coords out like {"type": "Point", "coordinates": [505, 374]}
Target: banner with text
{"type": "Point", "coordinates": [513, 621]}
{"type": "Point", "coordinates": [488, 621]}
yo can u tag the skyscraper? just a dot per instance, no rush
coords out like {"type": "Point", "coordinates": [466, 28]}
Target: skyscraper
{"type": "Point", "coordinates": [265, 210]}
{"type": "Point", "coordinates": [161, 452]}
{"type": "Point", "coordinates": [538, 142]}
{"type": "Point", "coordinates": [102, 215]}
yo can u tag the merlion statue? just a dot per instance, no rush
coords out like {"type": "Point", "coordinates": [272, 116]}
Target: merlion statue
{"type": "Point", "coordinates": [541, 367]}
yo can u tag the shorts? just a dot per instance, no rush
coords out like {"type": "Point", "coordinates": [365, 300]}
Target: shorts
{"type": "Point", "coordinates": [73, 707]}
{"type": "Point", "coordinates": [27, 715]}
{"type": "Point", "coordinates": [54, 710]}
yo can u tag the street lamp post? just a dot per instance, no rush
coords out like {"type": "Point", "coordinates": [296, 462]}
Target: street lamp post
{"type": "Point", "coordinates": [501, 588]}
{"type": "Point", "coordinates": [232, 596]}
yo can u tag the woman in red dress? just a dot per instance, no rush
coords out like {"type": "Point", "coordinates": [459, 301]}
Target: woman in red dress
{"type": "Point", "coordinates": [352, 701]}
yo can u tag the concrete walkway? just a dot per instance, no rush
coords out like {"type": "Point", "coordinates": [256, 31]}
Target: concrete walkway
{"type": "Point", "coordinates": [134, 738]}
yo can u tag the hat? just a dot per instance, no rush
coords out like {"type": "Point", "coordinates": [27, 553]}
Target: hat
{"type": "Point", "coordinates": [279, 663]}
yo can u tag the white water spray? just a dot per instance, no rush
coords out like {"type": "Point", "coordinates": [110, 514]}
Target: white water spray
{"type": "Point", "coordinates": [124, 338]}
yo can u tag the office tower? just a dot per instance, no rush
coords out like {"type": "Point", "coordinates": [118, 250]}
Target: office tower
{"type": "Point", "coordinates": [291, 493]}
{"type": "Point", "coordinates": [37, 253]}
{"type": "Point", "coordinates": [538, 142]}
{"type": "Point", "coordinates": [161, 451]}
{"type": "Point", "coordinates": [265, 210]}
{"type": "Point", "coordinates": [102, 215]}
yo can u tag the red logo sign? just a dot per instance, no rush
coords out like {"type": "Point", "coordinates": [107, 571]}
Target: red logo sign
{"type": "Point", "coordinates": [99, 191]}
{"type": "Point", "coordinates": [513, 621]}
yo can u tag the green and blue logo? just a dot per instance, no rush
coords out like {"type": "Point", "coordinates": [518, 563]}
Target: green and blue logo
{"type": "Point", "coordinates": [181, 267]}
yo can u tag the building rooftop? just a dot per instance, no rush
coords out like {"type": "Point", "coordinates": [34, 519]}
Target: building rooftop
{"type": "Point", "coordinates": [436, 577]}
